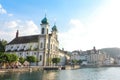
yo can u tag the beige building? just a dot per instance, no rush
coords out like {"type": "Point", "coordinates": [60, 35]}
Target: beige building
{"type": "Point", "coordinates": [75, 55]}
{"type": "Point", "coordinates": [90, 57]}
{"type": "Point", "coordinates": [43, 46]}
{"type": "Point", "coordinates": [95, 57]}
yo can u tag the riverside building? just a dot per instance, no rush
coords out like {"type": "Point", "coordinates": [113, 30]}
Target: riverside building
{"type": "Point", "coordinates": [44, 46]}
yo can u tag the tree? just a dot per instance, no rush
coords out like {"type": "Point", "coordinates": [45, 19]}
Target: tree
{"type": "Point", "coordinates": [79, 61]}
{"type": "Point", "coordinates": [11, 58]}
{"type": "Point", "coordinates": [21, 60]}
{"type": "Point", "coordinates": [1, 57]}
{"type": "Point", "coordinates": [56, 60]}
{"type": "Point", "coordinates": [2, 45]}
{"type": "Point", "coordinates": [8, 58]}
{"type": "Point", "coordinates": [74, 61]}
{"type": "Point", "coordinates": [31, 59]}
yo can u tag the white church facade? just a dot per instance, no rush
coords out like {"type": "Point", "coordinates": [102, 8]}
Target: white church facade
{"type": "Point", "coordinates": [44, 46]}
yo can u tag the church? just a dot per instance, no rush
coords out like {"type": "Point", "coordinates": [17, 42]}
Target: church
{"type": "Point", "coordinates": [44, 46]}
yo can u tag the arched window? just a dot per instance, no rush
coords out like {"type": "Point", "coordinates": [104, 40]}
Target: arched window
{"type": "Point", "coordinates": [43, 30]}
{"type": "Point", "coordinates": [40, 57]}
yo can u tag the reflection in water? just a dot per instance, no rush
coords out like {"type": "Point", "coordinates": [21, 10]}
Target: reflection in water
{"type": "Point", "coordinates": [49, 75]}
{"type": "Point", "coordinates": [80, 74]}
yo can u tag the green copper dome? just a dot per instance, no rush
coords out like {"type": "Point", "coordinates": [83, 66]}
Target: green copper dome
{"type": "Point", "coordinates": [44, 21]}
{"type": "Point", "coordinates": [54, 28]}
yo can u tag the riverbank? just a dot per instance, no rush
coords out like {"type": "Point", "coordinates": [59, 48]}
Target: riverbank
{"type": "Point", "coordinates": [104, 73]}
{"type": "Point", "coordinates": [66, 67]}
{"type": "Point", "coordinates": [96, 66]}
{"type": "Point", "coordinates": [24, 69]}
{"type": "Point", "coordinates": [38, 68]}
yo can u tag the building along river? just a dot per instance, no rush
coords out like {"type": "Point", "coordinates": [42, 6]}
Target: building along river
{"type": "Point", "coordinates": [111, 73]}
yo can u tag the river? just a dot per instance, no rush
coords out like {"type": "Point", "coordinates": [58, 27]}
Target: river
{"type": "Point", "coordinates": [112, 73]}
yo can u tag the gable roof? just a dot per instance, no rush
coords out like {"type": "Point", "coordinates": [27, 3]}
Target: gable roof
{"type": "Point", "coordinates": [25, 39]}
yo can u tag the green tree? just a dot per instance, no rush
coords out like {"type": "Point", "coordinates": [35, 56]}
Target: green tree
{"type": "Point", "coordinates": [79, 61]}
{"type": "Point", "coordinates": [31, 59]}
{"type": "Point", "coordinates": [21, 60]}
{"type": "Point", "coordinates": [2, 45]}
{"type": "Point", "coordinates": [56, 60]}
{"type": "Point", "coordinates": [74, 61]}
{"type": "Point", "coordinates": [11, 58]}
{"type": "Point", "coordinates": [1, 57]}
{"type": "Point", "coordinates": [8, 58]}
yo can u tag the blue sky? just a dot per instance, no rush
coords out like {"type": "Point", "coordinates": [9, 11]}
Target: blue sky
{"type": "Point", "coordinates": [61, 10]}
{"type": "Point", "coordinates": [82, 24]}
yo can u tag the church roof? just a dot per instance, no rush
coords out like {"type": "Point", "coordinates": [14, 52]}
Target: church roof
{"type": "Point", "coordinates": [24, 39]}
{"type": "Point", "coordinates": [54, 28]}
{"type": "Point", "coordinates": [44, 20]}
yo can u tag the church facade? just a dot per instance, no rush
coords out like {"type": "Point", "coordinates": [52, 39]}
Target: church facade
{"type": "Point", "coordinates": [44, 46]}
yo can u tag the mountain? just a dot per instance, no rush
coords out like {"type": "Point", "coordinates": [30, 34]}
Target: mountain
{"type": "Point", "coordinates": [113, 52]}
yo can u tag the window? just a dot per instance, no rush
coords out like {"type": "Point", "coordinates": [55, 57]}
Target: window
{"type": "Point", "coordinates": [47, 45]}
{"type": "Point", "coordinates": [56, 48]}
{"type": "Point", "coordinates": [11, 47]}
{"type": "Point", "coordinates": [51, 46]}
{"type": "Point", "coordinates": [41, 45]}
{"type": "Point", "coordinates": [47, 31]}
{"type": "Point", "coordinates": [40, 57]}
{"type": "Point", "coordinates": [43, 30]}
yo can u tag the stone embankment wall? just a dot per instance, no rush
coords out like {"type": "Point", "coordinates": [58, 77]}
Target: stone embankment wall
{"type": "Point", "coordinates": [72, 67]}
{"type": "Point", "coordinates": [95, 66]}
{"type": "Point", "coordinates": [36, 68]}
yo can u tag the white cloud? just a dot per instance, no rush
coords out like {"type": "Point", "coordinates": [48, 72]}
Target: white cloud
{"type": "Point", "coordinates": [9, 27]}
{"type": "Point", "coordinates": [10, 15]}
{"type": "Point", "coordinates": [25, 28]}
{"type": "Point", "coordinates": [2, 10]}
{"type": "Point", "coordinates": [71, 39]}
{"type": "Point", "coordinates": [105, 25]}
{"type": "Point", "coordinates": [29, 28]}
{"type": "Point", "coordinates": [11, 24]}
{"type": "Point", "coordinates": [102, 29]}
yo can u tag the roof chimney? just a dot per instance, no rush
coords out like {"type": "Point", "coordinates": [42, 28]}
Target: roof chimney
{"type": "Point", "coordinates": [94, 49]}
{"type": "Point", "coordinates": [17, 33]}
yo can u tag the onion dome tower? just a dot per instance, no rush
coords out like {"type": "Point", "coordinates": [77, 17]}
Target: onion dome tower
{"type": "Point", "coordinates": [44, 26]}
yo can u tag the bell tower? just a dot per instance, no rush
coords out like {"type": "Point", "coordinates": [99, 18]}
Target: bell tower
{"type": "Point", "coordinates": [54, 31]}
{"type": "Point", "coordinates": [44, 26]}
{"type": "Point", "coordinates": [45, 40]}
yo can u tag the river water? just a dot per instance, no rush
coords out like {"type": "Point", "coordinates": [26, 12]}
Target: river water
{"type": "Point", "coordinates": [112, 73]}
